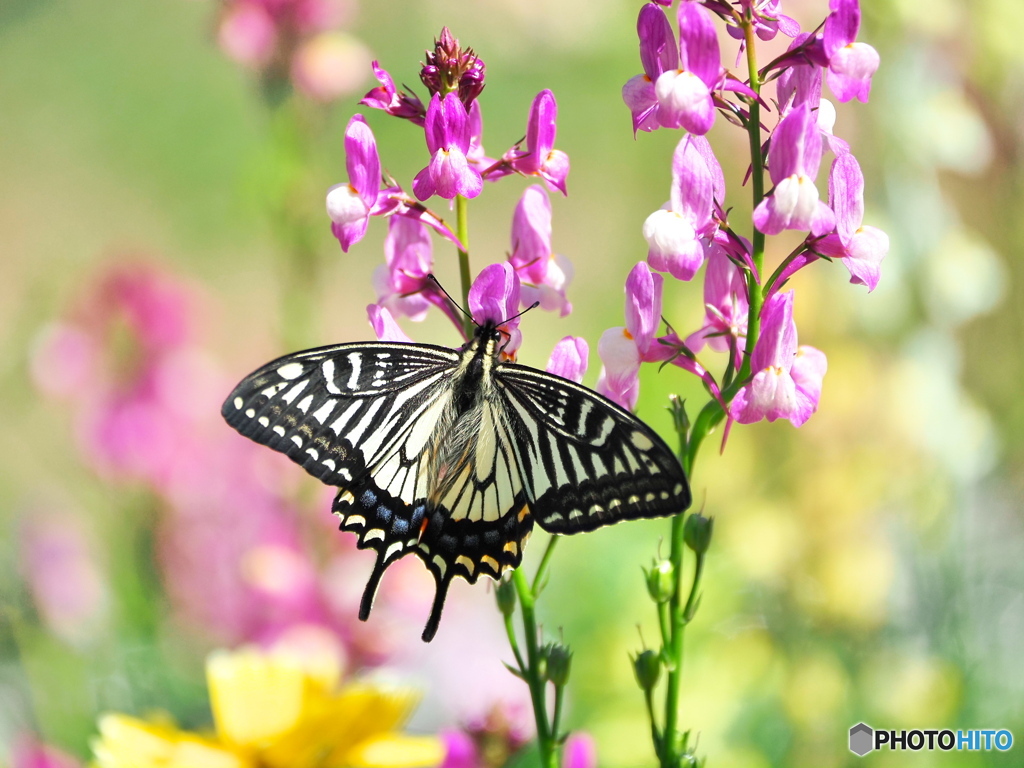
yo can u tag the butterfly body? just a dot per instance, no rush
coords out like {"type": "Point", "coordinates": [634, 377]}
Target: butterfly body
{"type": "Point", "coordinates": [454, 454]}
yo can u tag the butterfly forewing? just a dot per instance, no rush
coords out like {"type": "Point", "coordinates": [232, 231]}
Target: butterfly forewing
{"type": "Point", "coordinates": [335, 410]}
{"type": "Point", "coordinates": [589, 462]}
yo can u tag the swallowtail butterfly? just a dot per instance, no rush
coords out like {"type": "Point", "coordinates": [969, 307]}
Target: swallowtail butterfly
{"type": "Point", "coordinates": [452, 454]}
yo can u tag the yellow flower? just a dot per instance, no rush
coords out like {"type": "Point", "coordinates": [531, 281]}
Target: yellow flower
{"type": "Point", "coordinates": [275, 710]}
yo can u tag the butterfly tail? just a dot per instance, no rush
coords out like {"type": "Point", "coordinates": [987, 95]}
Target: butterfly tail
{"type": "Point", "coordinates": [371, 588]}
{"type": "Point", "coordinates": [435, 610]}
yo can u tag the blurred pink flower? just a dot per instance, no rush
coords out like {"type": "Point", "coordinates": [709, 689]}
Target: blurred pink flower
{"type": "Point", "coordinates": [59, 565]}
{"type": "Point", "coordinates": [330, 65]}
{"type": "Point", "coordinates": [29, 752]}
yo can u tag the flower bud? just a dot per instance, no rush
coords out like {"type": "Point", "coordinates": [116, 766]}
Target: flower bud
{"type": "Point", "coordinates": [559, 661]}
{"type": "Point", "coordinates": [679, 415]}
{"type": "Point", "coordinates": [506, 596]}
{"type": "Point", "coordinates": [697, 532]}
{"type": "Point", "coordinates": [661, 581]}
{"type": "Point", "coordinates": [647, 666]}
{"type": "Point", "coordinates": [450, 68]}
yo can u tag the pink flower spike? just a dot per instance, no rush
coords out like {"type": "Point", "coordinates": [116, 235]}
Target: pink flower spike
{"type": "Point", "coordinates": [684, 94]}
{"type": "Point", "coordinates": [580, 751]}
{"type": "Point", "coordinates": [403, 280]}
{"type": "Point", "coordinates": [569, 358]}
{"type": "Point", "coordinates": [449, 172]}
{"type": "Point", "coordinates": [673, 233]}
{"type": "Point", "coordinates": [850, 64]}
{"type": "Point", "coordinates": [773, 392]}
{"type": "Point", "coordinates": [494, 298]}
{"type": "Point", "coordinates": [384, 325]}
{"type": "Point", "coordinates": [793, 158]}
{"type": "Point", "coordinates": [349, 204]}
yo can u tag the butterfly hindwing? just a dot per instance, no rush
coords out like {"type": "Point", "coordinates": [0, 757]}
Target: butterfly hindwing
{"type": "Point", "coordinates": [590, 462]}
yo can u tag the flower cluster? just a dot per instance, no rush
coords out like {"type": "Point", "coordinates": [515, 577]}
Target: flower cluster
{"type": "Point", "coordinates": [230, 543]}
{"type": "Point", "coordinates": [300, 41]}
{"type": "Point", "coordinates": [457, 167]}
{"type": "Point", "coordinates": [684, 85]}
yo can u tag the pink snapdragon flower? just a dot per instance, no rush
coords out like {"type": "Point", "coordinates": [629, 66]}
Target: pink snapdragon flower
{"type": "Point", "coordinates": [349, 204]}
{"type": "Point", "coordinates": [545, 275]}
{"type": "Point", "coordinates": [659, 53]}
{"type": "Point", "coordinates": [388, 98]}
{"type": "Point", "coordinates": [622, 349]}
{"type": "Point", "coordinates": [861, 247]}
{"type": "Point", "coordinates": [384, 325]}
{"type": "Point", "coordinates": [684, 93]}
{"type": "Point", "coordinates": [787, 379]}
{"type": "Point", "coordinates": [539, 157]}
{"type": "Point", "coordinates": [569, 358]}
{"type": "Point", "coordinates": [768, 21]}
{"type": "Point", "coordinates": [677, 234]}
{"type": "Point", "coordinates": [850, 63]}
{"type": "Point", "coordinates": [403, 283]}
{"type": "Point", "coordinates": [494, 298]}
{"type": "Point", "coordinates": [793, 160]}
{"type": "Point", "coordinates": [725, 307]}
{"type": "Point", "coordinates": [449, 172]}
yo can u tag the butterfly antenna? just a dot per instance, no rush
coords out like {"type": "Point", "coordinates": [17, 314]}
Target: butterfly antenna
{"type": "Point", "coordinates": [520, 314]}
{"type": "Point", "coordinates": [453, 301]}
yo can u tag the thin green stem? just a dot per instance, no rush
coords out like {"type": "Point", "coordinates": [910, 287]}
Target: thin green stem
{"type": "Point", "coordinates": [698, 571]}
{"type": "Point", "coordinates": [674, 652]}
{"type": "Point", "coordinates": [655, 733]}
{"type": "Point", "coordinates": [556, 718]}
{"type": "Point", "coordinates": [548, 752]}
{"type": "Point", "coordinates": [510, 630]}
{"type": "Point", "coordinates": [545, 562]}
{"type": "Point", "coordinates": [465, 276]}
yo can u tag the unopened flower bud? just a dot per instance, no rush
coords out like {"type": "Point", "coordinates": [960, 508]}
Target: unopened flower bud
{"type": "Point", "coordinates": [697, 532]}
{"type": "Point", "coordinates": [450, 68]}
{"type": "Point", "coordinates": [647, 666]}
{"type": "Point", "coordinates": [506, 595]}
{"type": "Point", "coordinates": [679, 415]}
{"type": "Point", "coordinates": [661, 581]}
{"type": "Point", "coordinates": [559, 661]}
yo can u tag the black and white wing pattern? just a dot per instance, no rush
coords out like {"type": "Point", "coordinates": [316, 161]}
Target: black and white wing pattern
{"type": "Point", "coordinates": [372, 419]}
{"type": "Point", "coordinates": [451, 455]}
{"type": "Point", "coordinates": [589, 462]}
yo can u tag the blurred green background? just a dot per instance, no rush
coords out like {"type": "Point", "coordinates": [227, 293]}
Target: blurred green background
{"type": "Point", "coordinates": [869, 566]}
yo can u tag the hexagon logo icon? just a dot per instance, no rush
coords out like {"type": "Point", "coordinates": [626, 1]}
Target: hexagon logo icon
{"type": "Point", "coordinates": [862, 739]}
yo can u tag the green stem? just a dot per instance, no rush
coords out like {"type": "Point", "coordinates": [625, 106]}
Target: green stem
{"type": "Point", "coordinates": [556, 718]}
{"type": "Point", "coordinates": [674, 652]}
{"type": "Point", "coordinates": [545, 562]}
{"type": "Point", "coordinates": [757, 188]}
{"type": "Point", "coordinates": [514, 643]}
{"type": "Point", "coordinates": [465, 277]}
{"type": "Point", "coordinates": [548, 752]}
